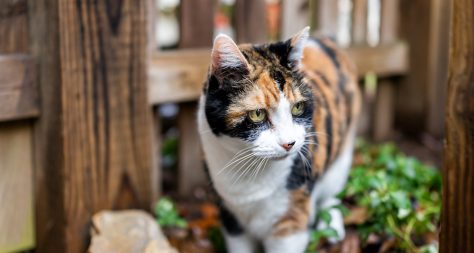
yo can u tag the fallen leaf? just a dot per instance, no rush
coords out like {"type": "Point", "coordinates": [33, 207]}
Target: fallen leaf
{"type": "Point", "coordinates": [388, 245]}
{"type": "Point", "coordinates": [357, 216]}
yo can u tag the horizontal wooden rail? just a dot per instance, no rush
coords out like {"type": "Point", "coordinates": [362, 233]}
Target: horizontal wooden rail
{"type": "Point", "coordinates": [18, 90]}
{"type": "Point", "coordinates": [177, 76]}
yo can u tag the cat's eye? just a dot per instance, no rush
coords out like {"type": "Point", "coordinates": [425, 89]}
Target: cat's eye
{"type": "Point", "coordinates": [257, 116]}
{"type": "Point", "coordinates": [297, 109]}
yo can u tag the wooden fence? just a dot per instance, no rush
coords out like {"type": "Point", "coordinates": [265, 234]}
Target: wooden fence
{"type": "Point", "coordinates": [79, 83]}
{"type": "Point", "coordinates": [177, 76]}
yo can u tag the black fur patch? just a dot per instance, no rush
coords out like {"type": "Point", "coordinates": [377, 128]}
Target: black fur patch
{"type": "Point", "coordinates": [301, 173]}
{"type": "Point", "coordinates": [230, 223]}
{"type": "Point", "coordinates": [218, 99]}
{"type": "Point", "coordinates": [278, 76]}
{"type": "Point", "coordinates": [328, 125]}
{"type": "Point", "coordinates": [282, 51]}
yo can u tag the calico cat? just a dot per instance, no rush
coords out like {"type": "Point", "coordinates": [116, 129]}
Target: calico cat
{"type": "Point", "coordinates": [277, 124]}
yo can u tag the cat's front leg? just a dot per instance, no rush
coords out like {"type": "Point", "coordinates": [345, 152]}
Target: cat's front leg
{"type": "Point", "coordinates": [237, 240]}
{"type": "Point", "coordinates": [241, 243]}
{"type": "Point", "coordinates": [337, 219]}
{"type": "Point", "coordinates": [294, 243]}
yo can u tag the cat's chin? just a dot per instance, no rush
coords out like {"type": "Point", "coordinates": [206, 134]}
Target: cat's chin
{"type": "Point", "coordinates": [277, 157]}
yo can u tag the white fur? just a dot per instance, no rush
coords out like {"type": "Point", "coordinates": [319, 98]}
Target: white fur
{"type": "Point", "coordinates": [301, 39]}
{"type": "Point", "coordinates": [240, 244]}
{"type": "Point", "coordinates": [295, 243]}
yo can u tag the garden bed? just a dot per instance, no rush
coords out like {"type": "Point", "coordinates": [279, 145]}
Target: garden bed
{"type": "Point", "coordinates": [391, 204]}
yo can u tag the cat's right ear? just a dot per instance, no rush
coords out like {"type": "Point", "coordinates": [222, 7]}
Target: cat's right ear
{"type": "Point", "coordinates": [226, 55]}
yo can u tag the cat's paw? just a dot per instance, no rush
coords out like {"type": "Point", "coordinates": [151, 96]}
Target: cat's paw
{"type": "Point", "coordinates": [337, 223]}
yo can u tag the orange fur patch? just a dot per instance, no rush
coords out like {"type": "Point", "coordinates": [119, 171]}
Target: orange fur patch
{"type": "Point", "coordinates": [297, 217]}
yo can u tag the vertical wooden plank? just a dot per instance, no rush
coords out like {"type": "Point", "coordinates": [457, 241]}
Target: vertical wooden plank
{"type": "Point", "coordinates": [18, 90]}
{"type": "Point", "coordinates": [191, 172]}
{"type": "Point", "coordinates": [295, 16]}
{"type": "Point", "coordinates": [193, 14]}
{"type": "Point", "coordinates": [383, 110]}
{"type": "Point", "coordinates": [415, 29]}
{"type": "Point", "coordinates": [438, 66]}
{"type": "Point", "coordinates": [48, 157]}
{"type": "Point", "coordinates": [93, 149]}
{"type": "Point", "coordinates": [196, 23]}
{"type": "Point", "coordinates": [328, 17]}
{"type": "Point", "coordinates": [13, 26]}
{"type": "Point", "coordinates": [359, 22]}
{"type": "Point", "coordinates": [157, 153]}
{"type": "Point", "coordinates": [457, 221]}
{"type": "Point", "coordinates": [250, 21]}
{"type": "Point", "coordinates": [384, 104]}
{"type": "Point", "coordinates": [16, 187]}
{"type": "Point", "coordinates": [390, 14]}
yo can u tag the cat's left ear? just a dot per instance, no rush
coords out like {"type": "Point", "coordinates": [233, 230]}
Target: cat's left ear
{"type": "Point", "coordinates": [297, 43]}
{"type": "Point", "coordinates": [226, 55]}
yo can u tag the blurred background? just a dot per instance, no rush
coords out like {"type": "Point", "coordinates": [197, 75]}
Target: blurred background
{"type": "Point", "coordinates": [400, 48]}
{"type": "Point", "coordinates": [98, 98]}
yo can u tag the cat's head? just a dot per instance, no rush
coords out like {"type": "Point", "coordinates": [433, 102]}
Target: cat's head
{"type": "Point", "coordinates": [257, 94]}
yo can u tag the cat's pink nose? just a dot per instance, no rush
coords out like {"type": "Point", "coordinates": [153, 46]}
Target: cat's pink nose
{"type": "Point", "coordinates": [288, 146]}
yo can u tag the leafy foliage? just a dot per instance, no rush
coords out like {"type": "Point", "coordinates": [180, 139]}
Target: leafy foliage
{"type": "Point", "coordinates": [399, 196]}
{"type": "Point", "coordinates": [402, 195]}
{"type": "Point", "coordinates": [167, 214]}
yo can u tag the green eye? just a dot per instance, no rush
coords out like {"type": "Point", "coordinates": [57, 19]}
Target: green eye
{"type": "Point", "coordinates": [297, 109]}
{"type": "Point", "coordinates": [258, 115]}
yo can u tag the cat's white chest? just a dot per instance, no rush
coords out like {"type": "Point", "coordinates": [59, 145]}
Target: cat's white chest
{"type": "Point", "coordinates": [258, 217]}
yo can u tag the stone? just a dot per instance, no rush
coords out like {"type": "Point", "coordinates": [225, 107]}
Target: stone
{"type": "Point", "coordinates": [129, 231]}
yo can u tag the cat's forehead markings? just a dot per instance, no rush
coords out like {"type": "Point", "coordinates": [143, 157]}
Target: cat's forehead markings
{"type": "Point", "coordinates": [268, 86]}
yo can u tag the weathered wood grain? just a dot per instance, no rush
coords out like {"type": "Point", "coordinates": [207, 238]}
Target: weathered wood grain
{"type": "Point", "coordinates": [178, 76]}
{"type": "Point", "coordinates": [196, 23]}
{"type": "Point", "coordinates": [390, 21]}
{"type": "Point", "coordinates": [13, 26]}
{"type": "Point", "coordinates": [93, 145]}
{"type": "Point", "coordinates": [327, 17]}
{"type": "Point", "coordinates": [438, 67]}
{"type": "Point", "coordinates": [18, 90]}
{"type": "Point", "coordinates": [359, 22]}
{"type": "Point", "coordinates": [191, 172]}
{"type": "Point", "coordinates": [295, 15]}
{"type": "Point", "coordinates": [415, 29]}
{"type": "Point", "coordinates": [190, 167]}
{"type": "Point", "coordinates": [457, 221]}
{"type": "Point", "coordinates": [383, 110]}
{"type": "Point", "coordinates": [250, 21]}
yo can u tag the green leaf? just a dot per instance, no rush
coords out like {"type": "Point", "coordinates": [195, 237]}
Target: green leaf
{"type": "Point", "coordinates": [325, 216]}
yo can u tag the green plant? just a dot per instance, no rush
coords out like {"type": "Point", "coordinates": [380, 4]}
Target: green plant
{"type": "Point", "coordinates": [317, 235]}
{"type": "Point", "coordinates": [401, 195]}
{"type": "Point", "coordinates": [167, 214]}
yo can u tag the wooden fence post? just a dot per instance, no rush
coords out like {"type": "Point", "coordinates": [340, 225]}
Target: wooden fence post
{"type": "Point", "coordinates": [250, 21]}
{"type": "Point", "coordinates": [457, 221]}
{"type": "Point", "coordinates": [93, 139]}
{"type": "Point", "coordinates": [18, 101]}
{"type": "Point", "coordinates": [295, 15]}
{"type": "Point", "coordinates": [191, 173]}
{"type": "Point", "coordinates": [196, 23]}
{"type": "Point", "coordinates": [385, 99]}
{"type": "Point", "coordinates": [438, 66]}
